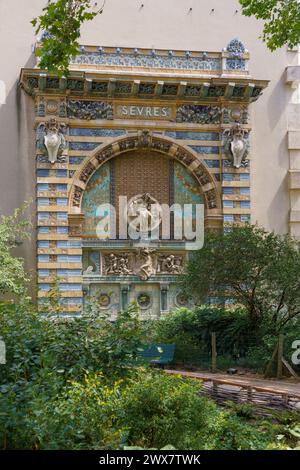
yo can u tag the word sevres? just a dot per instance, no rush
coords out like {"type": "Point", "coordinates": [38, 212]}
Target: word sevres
{"type": "Point", "coordinates": [145, 111]}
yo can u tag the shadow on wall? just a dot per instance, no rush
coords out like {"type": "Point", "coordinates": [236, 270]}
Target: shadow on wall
{"type": "Point", "coordinates": [278, 125]}
{"type": "Point", "coordinates": [17, 167]}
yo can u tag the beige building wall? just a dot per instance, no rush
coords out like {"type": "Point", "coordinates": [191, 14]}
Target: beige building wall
{"type": "Point", "coordinates": [167, 24]}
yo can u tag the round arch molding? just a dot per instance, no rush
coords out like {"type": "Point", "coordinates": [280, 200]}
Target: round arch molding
{"type": "Point", "coordinates": [138, 141]}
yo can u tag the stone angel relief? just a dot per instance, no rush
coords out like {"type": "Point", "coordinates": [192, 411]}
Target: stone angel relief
{"type": "Point", "coordinates": [51, 139]}
{"type": "Point", "coordinates": [236, 145]}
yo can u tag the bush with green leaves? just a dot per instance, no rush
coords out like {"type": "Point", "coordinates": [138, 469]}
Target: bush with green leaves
{"type": "Point", "coordinates": [191, 330]}
{"type": "Point", "coordinates": [43, 354]}
{"type": "Point", "coordinates": [257, 269]}
{"type": "Point", "coordinates": [14, 229]}
{"type": "Point", "coordinates": [149, 410]}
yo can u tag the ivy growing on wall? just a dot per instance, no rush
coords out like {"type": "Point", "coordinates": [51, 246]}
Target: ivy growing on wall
{"type": "Point", "coordinates": [60, 24]}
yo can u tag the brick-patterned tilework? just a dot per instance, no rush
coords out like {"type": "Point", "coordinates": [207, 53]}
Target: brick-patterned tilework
{"type": "Point", "coordinates": [140, 172]}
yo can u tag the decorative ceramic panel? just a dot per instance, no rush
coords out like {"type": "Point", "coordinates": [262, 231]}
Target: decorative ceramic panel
{"type": "Point", "coordinates": [96, 193]}
{"type": "Point", "coordinates": [153, 61]}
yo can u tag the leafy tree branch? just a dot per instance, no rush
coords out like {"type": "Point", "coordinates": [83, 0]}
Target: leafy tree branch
{"type": "Point", "coordinates": [281, 20]}
{"type": "Point", "coordinates": [60, 23]}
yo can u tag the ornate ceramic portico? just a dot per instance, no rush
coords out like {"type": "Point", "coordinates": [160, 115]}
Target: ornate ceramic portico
{"type": "Point", "coordinates": [169, 126]}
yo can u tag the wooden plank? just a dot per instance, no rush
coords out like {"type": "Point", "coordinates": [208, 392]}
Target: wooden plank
{"type": "Point", "coordinates": [289, 368]}
{"type": "Point", "coordinates": [280, 356]}
{"type": "Point", "coordinates": [213, 352]}
{"type": "Point", "coordinates": [236, 383]}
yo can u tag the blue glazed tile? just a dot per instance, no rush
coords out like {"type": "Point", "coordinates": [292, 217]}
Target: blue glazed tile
{"type": "Point", "coordinates": [76, 131]}
{"type": "Point", "coordinates": [186, 135]}
{"type": "Point", "coordinates": [84, 145]}
{"type": "Point", "coordinates": [212, 163]}
{"type": "Point", "coordinates": [205, 150]}
{"type": "Point", "coordinates": [76, 160]}
{"type": "Point", "coordinates": [151, 60]}
{"type": "Point", "coordinates": [245, 204]}
{"type": "Point", "coordinates": [228, 191]}
{"type": "Point", "coordinates": [245, 191]}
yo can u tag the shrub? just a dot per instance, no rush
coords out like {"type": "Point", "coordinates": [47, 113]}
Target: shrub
{"type": "Point", "coordinates": [160, 409]}
{"type": "Point", "coordinates": [43, 354]}
{"type": "Point", "coordinates": [191, 332]}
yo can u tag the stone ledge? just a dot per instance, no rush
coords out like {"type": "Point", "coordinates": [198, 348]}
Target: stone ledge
{"type": "Point", "coordinates": [293, 75]}
{"type": "Point", "coordinates": [294, 179]}
{"type": "Point", "coordinates": [294, 216]}
{"type": "Point", "coordinates": [294, 140]}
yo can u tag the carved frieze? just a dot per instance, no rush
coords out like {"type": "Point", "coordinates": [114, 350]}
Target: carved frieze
{"type": "Point", "coordinates": [211, 199]}
{"type": "Point", "coordinates": [200, 114]}
{"type": "Point", "coordinates": [77, 196]}
{"type": "Point", "coordinates": [87, 172]}
{"type": "Point", "coordinates": [89, 110]}
{"type": "Point", "coordinates": [144, 262]}
{"type": "Point", "coordinates": [75, 224]}
{"type": "Point", "coordinates": [170, 264]}
{"type": "Point", "coordinates": [185, 157]}
{"type": "Point", "coordinates": [202, 175]}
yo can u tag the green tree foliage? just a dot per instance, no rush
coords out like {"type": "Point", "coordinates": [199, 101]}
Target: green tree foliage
{"type": "Point", "coordinates": [70, 384]}
{"type": "Point", "coordinates": [281, 20]}
{"type": "Point", "coordinates": [13, 230]}
{"type": "Point", "coordinates": [61, 22]}
{"type": "Point", "coordinates": [259, 270]}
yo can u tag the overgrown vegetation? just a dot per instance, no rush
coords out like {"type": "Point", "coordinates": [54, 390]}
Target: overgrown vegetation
{"type": "Point", "coordinates": [74, 383]}
{"type": "Point", "coordinates": [13, 231]}
{"type": "Point", "coordinates": [71, 385]}
{"type": "Point", "coordinates": [238, 343]}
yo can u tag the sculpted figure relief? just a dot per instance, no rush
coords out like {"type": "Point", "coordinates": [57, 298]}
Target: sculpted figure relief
{"type": "Point", "coordinates": [143, 214]}
{"type": "Point", "coordinates": [236, 145]}
{"type": "Point", "coordinates": [50, 139]}
{"type": "Point", "coordinates": [170, 264]}
{"type": "Point", "coordinates": [117, 264]}
{"type": "Point", "coordinates": [143, 262]}
{"type": "Point", "coordinates": [147, 268]}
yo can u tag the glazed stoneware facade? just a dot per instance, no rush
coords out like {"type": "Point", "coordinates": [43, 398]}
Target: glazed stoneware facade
{"type": "Point", "coordinates": [173, 125]}
{"type": "Point", "coordinates": [162, 118]}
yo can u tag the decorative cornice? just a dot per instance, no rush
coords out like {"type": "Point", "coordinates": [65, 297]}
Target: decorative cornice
{"type": "Point", "coordinates": [94, 85]}
{"type": "Point", "coordinates": [233, 59]}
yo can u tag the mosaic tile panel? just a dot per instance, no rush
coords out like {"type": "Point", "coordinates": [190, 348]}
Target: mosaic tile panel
{"type": "Point", "coordinates": [96, 193]}
{"type": "Point", "coordinates": [205, 150]}
{"type": "Point", "coordinates": [75, 131]}
{"type": "Point", "coordinates": [189, 135]}
{"type": "Point", "coordinates": [84, 145]}
{"type": "Point", "coordinates": [152, 61]}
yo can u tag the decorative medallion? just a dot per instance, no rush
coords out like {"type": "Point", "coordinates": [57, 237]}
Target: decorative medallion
{"type": "Point", "coordinates": [104, 300]}
{"type": "Point", "coordinates": [144, 300]}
